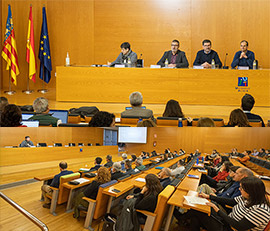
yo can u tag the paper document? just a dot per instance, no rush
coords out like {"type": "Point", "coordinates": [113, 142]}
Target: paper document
{"type": "Point", "coordinates": [140, 179]}
{"type": "Point", "coordinates": [81, 180]}
{"type": "Point", "coordinates": [84, 169]}
{"type": "Point", "coordinates": [195, 200]}
{"type": "Point", "coordinates": [202, 170]}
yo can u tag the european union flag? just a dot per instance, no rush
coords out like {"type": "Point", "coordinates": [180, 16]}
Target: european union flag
{"type": "Point", "coordinates": [44, 51]}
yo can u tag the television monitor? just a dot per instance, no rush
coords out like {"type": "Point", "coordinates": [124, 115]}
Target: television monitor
{"type": "Point", "coordinates": [136, 135]}
{"type": "Point", "coordinates": [60, 114]}
{"type": "Point", "coordinates": [30, 123]}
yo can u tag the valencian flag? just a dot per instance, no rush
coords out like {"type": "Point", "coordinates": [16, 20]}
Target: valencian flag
{"type": "Point", "coordinates": [44, 51]}
{"type": "Point", "coordinates": [9, 51]}
{"type": "Point", "coordinates": [30, 48]}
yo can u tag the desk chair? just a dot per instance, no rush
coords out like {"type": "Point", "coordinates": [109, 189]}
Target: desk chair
{"type": "Point", "coordinates": [74, 119]}
{"type": "Point", "coordinates": [88, 119]}
{"type": "Point", "coordinates": [41, 145]}
{"type": "Point", "coordinates": [132, 120]}
{"type": "Point", "coordinates": [154, 220]}
{"type": "Point", "coordinates": [218, 122]}
{"type": "Point", "coordinates": [60, 195]}
{"type": "Point", "coordinates": [170, 121]}
{"type": "Point", "coordinates": [255, 123]}
{"type": "Point", "coordinates": [97, 208]}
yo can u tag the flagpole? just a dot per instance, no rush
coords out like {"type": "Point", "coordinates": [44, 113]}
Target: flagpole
{"type": "Point", "coordinates": [43, 90]}
{"type": "Point", "coordinates": [28, 91]}
{"type": "Point", "coordinates": [9, 92]}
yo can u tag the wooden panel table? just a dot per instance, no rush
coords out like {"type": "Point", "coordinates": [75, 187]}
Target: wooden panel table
{"type": "Point", "coordinates": [190, 183]}
{"type": "Point", "coordinates": [189, 86]}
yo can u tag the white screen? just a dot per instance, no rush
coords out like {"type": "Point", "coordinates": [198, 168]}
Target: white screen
{"type": "Point", "coordinates": [132, 135]}
{"type": "Point", "coordinates": [31, 123]}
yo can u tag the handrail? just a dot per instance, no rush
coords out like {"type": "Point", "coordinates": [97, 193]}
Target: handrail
{"type": "Point", "coordinates": [31, 217]}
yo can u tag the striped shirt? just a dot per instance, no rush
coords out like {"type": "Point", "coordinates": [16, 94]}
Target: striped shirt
{"type": "Point", "coordinates": [259, 215]}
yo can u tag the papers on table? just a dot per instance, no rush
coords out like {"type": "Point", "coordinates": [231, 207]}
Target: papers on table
{"type": "Point", "coordinates": [202, 170]}
{"type": "Point", "coordinates": [81, 180]}
{"type": "Point", "coordinates": [196, 200]}
{"type": "Point", "coordinates": [140, 179]}
{"type": "Point", "coordinates": [193, 176]}
{"type": "Point", "coordinates": [84, 169]}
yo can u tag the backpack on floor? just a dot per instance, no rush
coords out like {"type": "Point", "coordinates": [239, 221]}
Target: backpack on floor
{"type": "Point", "coordinates": [109, 222]}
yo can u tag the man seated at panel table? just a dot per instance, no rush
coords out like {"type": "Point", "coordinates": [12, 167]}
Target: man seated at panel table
{"type": "Point", "coordinates": [247, 104]}
{"type": "Point", "coordinates": [244, 57]}
{"type": "Point", "coordinates": [175, 57]}
{"type": "Point", "coordinates": [55, 183]}
{"type": "Point", "coordinates": [204, 57]}
{"type": "Point", "coordinates": [136, 100]}
{"type": "Point", "coordinates": [27, 142]}
{"type": "Point", "coordinates": [127, 56]}
{"type": "Point", "coordinates": [41, 107]}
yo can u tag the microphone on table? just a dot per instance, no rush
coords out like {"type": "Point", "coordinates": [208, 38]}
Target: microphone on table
{"type": "Point", "coordinates": [225, 67]}
{"type": "Point", "coordinates": [140, 62]}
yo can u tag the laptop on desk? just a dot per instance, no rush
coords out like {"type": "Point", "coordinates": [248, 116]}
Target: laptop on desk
{"type": "Point", "coordinates": [60, 114]}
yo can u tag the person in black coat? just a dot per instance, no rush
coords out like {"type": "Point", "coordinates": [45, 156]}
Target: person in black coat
{"type": "Point", "coordinates": [116, 171]}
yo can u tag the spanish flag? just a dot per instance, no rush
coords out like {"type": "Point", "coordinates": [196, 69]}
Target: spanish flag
{"type": "Point", "coordinates": [9, 51]}
{"type": "Point", "coordinates": [30, 48]}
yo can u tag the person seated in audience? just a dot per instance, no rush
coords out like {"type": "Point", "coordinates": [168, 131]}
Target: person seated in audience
{"type": "Point", "coordinates": [180, 167]}
{"type": "Point", "coordinates": [234, 152]}
{"type": "Point", "coordinates": [267, 154]}
{"type": "Point", "coordinates": [97, 162]}
{"type": "Point", "coordinates": [133, 157]}
{"type": "Point", "coordinates": [136, 100]}
{"type": "Point", "coordinates": [55, 183]}
{"type": "Point", "coordinates": [221, 187]}
{"type": "Point", "coordinates": [261, 152]}
{"type": "Point", "coordinates": [102, 119]}
{"type": "Point", "coordinates": [116, 171]}
{"type": "Point", "coordinates": [126, 56]}
{"type": "Point", "coordinates": [204, 57]}
{"type": "Point", "coordinates": [238, 119]}
{"type": "Point", "coordinates": [139, 164]}
{"type": "Point", "coordinates": [181, 151]}
{"type": "Point", "coordinates": [124, 157]}
{"type": "Point", "coordinates": [128, 167]}
{"type": "Point", "coordinates": [146, 123]}
{"type": "Point", "coordinates": [27, 142]}
{"type": "Point", "coordinates": [222, 175]}
{"type": "Point", "coordinates": [246, 158]}
{"type": "Point", "coordinates": [11, 116]}
{"type": "Point", "coordinates": [103, 176]}
{"type": "Point", "coordinates": [174, 57]}
{"type": "Point", "coordinates": [3, 103]}
{"type": "Point", "coordinates": [173, 109]}
{"type": "Point", "coordinates": [109, 161]}
{"type": "Point", "coordinates": [143, 155]}
{"type": "Point", "coordinates": [255, 152]}
{"type": "Point", "coordinates": [147, 198]}
{"type": "Point", "coordinates": [41, 108]}
{"type": "Point", "coordinates": [251, 209]}
{"type": "Point", "coordinates": [205, 122]}
{"type": "Point", "coordinates": [247, 103]}
{"type": "Point", "coordinates": [212, 156]}
{"type": "Point", "coordinates": [164, 177]}
{"type": "Point", "coordinates": [244, 57]}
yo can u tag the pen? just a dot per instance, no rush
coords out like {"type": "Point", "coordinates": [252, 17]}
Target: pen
{"type": "Point", "coordinates": [200, 190]}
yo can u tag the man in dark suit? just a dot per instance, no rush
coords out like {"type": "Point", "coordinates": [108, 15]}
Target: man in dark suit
{"type": "Point", "coordinates": [248, 102]}
{"type": "Point", "coordinates": [174, 57]}
{"type": "Point", "coordinates": [116, 171]}
{"type": "Point", "coordinates": [98, 161]}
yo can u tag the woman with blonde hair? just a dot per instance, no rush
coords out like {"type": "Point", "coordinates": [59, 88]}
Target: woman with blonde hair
{"type": "Point", "coordinates": [103, 176]}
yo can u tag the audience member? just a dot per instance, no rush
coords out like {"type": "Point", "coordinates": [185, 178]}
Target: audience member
{"type": "Point", "coordinates": [246, 157]}
{"type": "Point", "coordinates": [27, 142]}
{"type": "Point", "coordinates": [116, 171]}
{"type": "Point", "coordinates": [139, 164]}
{"type": "Point", "coordinates": [133, 157]}
{"type": "Point", "coordinates": [103, 176]}
{"type": "Point", "coordinates": [164, 177]}
{"type": "Point", "coordinates": [234, 152]}
{"type": "Point", "coordinates": [205, 122]}
{"type": "Point", "coordinates": [180, 167]}
{"type": "Point", "coordinates": [11, 116]}
{"type": "Point", "coordinates": [46, 189]}
{"type": "Point", "coordinates": [238, 119]}
{"type": "Point", "coordinates": [128, 167]}
{"type": "Point", "coordinates": [261, 152]}
{"type": "Point", "coordinates": [102, 119]}
{"type": "Point", "coordinates": [136, 100]}
{"type": "Point", "coordinates": [247, 104]}
{"type": "Point", "coordinates": [41, 107]}
{"type": "Point", "coordinates": [97, 162]}
{"type": "Point", "coordinates": [146, 123]}
{"type": "Point", "coordinates": [173, 109]}
{"type": "Point", "coordinates": [109, 161]}
{"type": "Point", "coordinates": [255, 152]}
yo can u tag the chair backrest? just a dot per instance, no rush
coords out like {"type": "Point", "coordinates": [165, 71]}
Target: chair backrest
{"type": "Point", "coordinates": [162, 206]}
{"type": "Point", "coordinates": [170, 121]}
{"type": "Point", "coordinates": [219, 122]}
{"type": "Point", "coordinates": [124, 178]}
{"type": "Point", "coordinates": [132, 120]}
{"type": "Point", "coordinates": [102, 200]}
{"type": "Point", "coordinates": [64, 192]}
{"type": "Point", "coordinates": [88, 119]}
{"type": "Point", "coordinates": [255, 123]}
{"type": "Point", "coordinates": [74, 119]}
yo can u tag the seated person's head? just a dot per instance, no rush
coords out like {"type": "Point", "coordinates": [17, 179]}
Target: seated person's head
{"type": "Point", "coordinates": [173, 109]}
{"type": "Point", "coordinates": [139, 161]}
{"type": "Point", "coordinates": [152, 184]}
{"type": "Point", "coordinates": [226, 166]}
{"type": "Point", "coordinates": [108, 158]}
{"type": "Point", "coordinates": [63, 165]}
{"type": "Point", "coordinates": [241, 173]}
{"type": "Point", "coordinates": [134, 157]}
{"type": "Point", "coordinates": [233, 171]}
{"type": "Point", "coordinates": [205, 122]}
{"type": "Point", "coordinates": [103, 175]}
{"type": "Point", "coordinates": [125, 48]}
{"type": "Point", "coordinates": [127, 164]}
{"type": "Point", "coordinates": [136, 99]}
{"type": "Point", "coordinates": [124, 156]}
{"type": "Point", "coordinates": [238, 118]}
{"type": "Point", "coordinates": [3, 103]}
{"type": "Point", "coordinates": [98, 160]}
{"type": "Point", "coordinates": [11, 116]}
{"type": "Point", "coordinates": [41, 105]}
{"type": "Point", "coordinates": [146, 123]}
{"type": "Point", "coordinates": [102, 119]}
{"type": "Point", "coordinates": [27, 138]}
{"type": "Point", "coordinates": [116, 167]}
{"type": "Point", "coordinates": [247, 102]}
{"type": "Point", "coordinates": [164, 173]}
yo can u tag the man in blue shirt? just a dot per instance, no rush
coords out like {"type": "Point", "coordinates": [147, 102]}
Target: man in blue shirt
{"type": "Point", "coordinates": [243, 57]}
{"type": "Point", "coordinates": [46, 189]}
{"type": "Point", "coordinates": [204, 57]}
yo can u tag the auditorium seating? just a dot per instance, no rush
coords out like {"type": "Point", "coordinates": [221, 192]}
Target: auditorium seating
{"type": "Point", "coordinates": [255, 123]}
{"type": "Point", "coordinates": [218, 122]}
{"type": "Point", "coordinates": [74, 119]}
{"type": "Point", "coordinates": [170, 121]}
